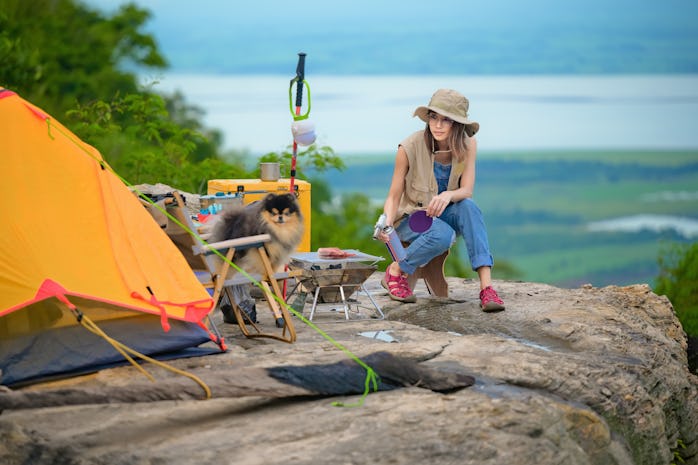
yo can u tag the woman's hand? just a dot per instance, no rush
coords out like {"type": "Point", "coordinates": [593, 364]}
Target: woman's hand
{"type": "Point", "coordinates": [383, 237]}
{"type": "Point", "coordinates": [438, 204]}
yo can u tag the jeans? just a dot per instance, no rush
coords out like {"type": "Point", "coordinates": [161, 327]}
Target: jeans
{"type": "Point", "coordinates": [462, 218]}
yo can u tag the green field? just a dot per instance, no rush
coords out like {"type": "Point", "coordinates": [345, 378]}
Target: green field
{"type": "Point", "coordinates": [538, 205]}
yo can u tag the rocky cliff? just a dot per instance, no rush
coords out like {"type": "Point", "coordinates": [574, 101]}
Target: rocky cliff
{"type": "Point", "coordinates": [563, 376]}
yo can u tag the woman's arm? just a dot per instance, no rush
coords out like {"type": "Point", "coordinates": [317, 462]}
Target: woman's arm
{"type": "Point", "coordinates": [467, 179]}
{"type": "Point", "coordinates": [397, 186]}
{"type": "Point", "coordinates": [438, 204]}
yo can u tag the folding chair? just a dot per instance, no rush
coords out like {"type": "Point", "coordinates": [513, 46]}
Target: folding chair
{"type": "Point", "coordinates": [433, 275]}
{"type": "Point", "coordinates": [220, 275]}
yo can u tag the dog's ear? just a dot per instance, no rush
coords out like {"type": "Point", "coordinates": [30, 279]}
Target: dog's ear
{"type": "Point", "coordinates": [293, 201]}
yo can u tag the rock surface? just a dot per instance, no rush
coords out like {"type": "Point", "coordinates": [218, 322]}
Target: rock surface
{"type": "Point", "coordinates": [573, 376]}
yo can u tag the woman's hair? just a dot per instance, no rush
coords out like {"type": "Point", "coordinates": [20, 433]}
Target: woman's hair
{"type": "Point", "coordinates": [457, 140]}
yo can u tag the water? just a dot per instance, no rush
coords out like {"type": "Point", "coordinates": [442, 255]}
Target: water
{"type": "Point", "coordinates": [686, 227]}
{"type": "Point", "coordinates": [372, 114]}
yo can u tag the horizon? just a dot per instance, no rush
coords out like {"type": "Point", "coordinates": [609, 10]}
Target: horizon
{"type": "Point", "coordinates": [515, 113]}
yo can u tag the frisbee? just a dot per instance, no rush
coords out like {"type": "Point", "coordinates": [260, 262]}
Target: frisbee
{"type": "Point", "coordinates": [419, 221]}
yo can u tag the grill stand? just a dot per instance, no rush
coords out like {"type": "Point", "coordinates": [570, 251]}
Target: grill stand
{"type": "Point", "coordinates": [332, 281]}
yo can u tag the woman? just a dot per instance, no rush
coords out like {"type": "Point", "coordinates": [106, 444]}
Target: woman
{"type": "Point", "coordinates": [435, 172]}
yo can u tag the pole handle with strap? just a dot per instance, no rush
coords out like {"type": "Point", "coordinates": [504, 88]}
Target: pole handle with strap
{"type": "Point", "coordinates": [300, 76]}
{"type": "Point", "coordinates": [301, 83]}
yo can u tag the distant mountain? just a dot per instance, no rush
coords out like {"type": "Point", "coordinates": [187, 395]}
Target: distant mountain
{"type": "Point", "coordinates": [456, 37]}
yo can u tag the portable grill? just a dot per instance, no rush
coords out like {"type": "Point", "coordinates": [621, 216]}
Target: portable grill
{"type": "Point", "coordinates": [334, 281]}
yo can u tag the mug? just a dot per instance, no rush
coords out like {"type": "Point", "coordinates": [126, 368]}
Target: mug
{"type": "Point", "coordinates": [269, 171]}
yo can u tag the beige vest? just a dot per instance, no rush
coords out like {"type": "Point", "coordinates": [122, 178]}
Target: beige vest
{"type": "Point", "coordinates": [420, 182]}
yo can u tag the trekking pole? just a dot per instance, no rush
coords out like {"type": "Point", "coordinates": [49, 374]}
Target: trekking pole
{"type": "Point", "coordinates": [302, 129]}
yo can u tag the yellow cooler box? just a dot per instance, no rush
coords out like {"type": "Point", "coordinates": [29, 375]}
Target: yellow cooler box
{"type": "Point", "coordinates": [256, 189]}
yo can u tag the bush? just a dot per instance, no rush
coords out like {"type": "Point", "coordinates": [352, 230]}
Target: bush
{"type": "Point", "coordinates": [678, 280]}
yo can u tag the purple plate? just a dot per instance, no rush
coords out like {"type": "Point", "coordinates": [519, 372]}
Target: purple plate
{"type": "Point", "coordinates": [419, 221]}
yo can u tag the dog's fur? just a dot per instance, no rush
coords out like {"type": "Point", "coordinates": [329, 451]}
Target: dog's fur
{"type": "Point", "coordinates": [278, 215]}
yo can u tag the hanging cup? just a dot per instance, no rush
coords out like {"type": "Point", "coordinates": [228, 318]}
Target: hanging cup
{"type": "Point", "coordinates": [303, 132]}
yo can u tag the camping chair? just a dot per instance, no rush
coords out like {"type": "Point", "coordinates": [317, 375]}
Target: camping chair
{"type": "Point", "coordinates": [433, 275]}
{"type": "Point", "coordinates": [218, 275]}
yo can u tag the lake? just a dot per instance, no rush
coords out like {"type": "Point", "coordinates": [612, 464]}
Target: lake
{"type": "Point", "coordinates": [371, 114]}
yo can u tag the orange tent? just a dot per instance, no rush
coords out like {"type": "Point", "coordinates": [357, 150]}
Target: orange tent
{"type": "Point", "coordinates": [75, 241]}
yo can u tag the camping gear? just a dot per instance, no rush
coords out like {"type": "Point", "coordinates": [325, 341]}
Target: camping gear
{"type": "Point", "coordinates": [334, 280]}
{"type": "Point", "coordinates": [394, 244]}
{"type": "Point", "coordinates": [269, 171]}
{"type": "Point", "coordinates": [223, 200]}
{"type": "Point", "coordinates": [78, 246]}
{"type": "Point", "coordinates": [303, 132]}
{"type": "Point", "coordinates": [256, 189]}
{"type": "Point", "coordinates": [305, 135]}
{"type": "Point", "coordinates": [419, 221]}
{"type": "Point", "coordinates": [380, 224]}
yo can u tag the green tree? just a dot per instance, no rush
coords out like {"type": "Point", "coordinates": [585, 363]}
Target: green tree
{"type": "Point", "coordinates": [310, 161]}
{"type": "Point", "coordinates": [137, 136]}
{"type": "Point", "coordinates": [190, 117]}
{"type": "Point", "coordinates": [678, 281]}
{"type": "Point", "coordinates": [345, 222]}
{"type": "Point", "coordinates": [59, 52]}
{"type": "Point", "coordinates": [79, 66]}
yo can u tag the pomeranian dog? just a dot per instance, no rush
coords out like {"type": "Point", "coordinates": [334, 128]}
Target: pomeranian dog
{"type": "Point", "coordinates": [278, 215]}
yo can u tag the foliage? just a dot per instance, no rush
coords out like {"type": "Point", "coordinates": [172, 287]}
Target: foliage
{"type": "Point", "coordinates": [312, 160]}
{"type": "Point", "coordinates": [58, 52]}
{"type": "Point", "coordinates": [346, 222]}
{"type": "Point", "coordinates": [678, 280]}
{"type": "Point", "coordinates": [190, 116]}
{"type": "Point", "coordinates": [142, 143]}
{"type": "Point", "coordinates": [73, 62]}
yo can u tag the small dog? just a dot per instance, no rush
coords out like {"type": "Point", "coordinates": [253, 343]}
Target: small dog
{"type": "Point", "coordinates": [278, 215]}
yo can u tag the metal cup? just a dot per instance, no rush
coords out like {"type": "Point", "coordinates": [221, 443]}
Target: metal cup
{"type": "Point", "coordinates": [269, 171]}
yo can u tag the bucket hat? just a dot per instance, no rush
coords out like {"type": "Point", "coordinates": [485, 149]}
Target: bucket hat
{"type": "Point", "coordinates": [450, 104]}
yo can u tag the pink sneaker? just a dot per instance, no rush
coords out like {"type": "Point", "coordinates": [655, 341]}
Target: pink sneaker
{"type": "Point", "coordinates": [490, 301]}
{"type": "Point", "coordinates": [397, 287]}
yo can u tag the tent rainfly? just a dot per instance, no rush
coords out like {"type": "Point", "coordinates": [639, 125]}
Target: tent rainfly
{"type": "Point", "coordinates": [76, 242]}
